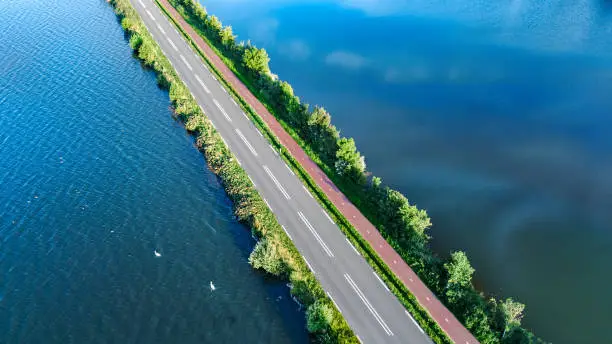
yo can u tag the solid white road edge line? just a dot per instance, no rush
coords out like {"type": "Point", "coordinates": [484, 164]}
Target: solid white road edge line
{"type": "Point", "coordinates": [285, 229]}
{"type": "Point", "coordinates": [381, 281]}
{"type": "Point", "coordinates": [308, 192]}
{"type": "Point", "coordinates": [414, 321]}
{"type": "Point", "coordinates": [309, 266]}
{"type": "Point", "coordinates": [315, 234]}
{"type": "Point", "coordinates": [268, 204]}
{"type": "Point", "coordinates": [334, 302]}
{"type": "Point", "coordinates": [353, 247]}
{"type": "Point", "coordinates": [287, 166]}
{"type": "Point", "coordinates": [365, 301]}
{"type": "Point", "coordinates": [273, 150]}
{"type": "Point", "coordinates": [329, 218]}
{"type": "Point", "coordinates": [252, 182]}
{"type": "Point", "coordinates": [224, 142]}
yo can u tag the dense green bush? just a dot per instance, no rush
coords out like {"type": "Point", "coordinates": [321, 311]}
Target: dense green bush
{"type": "Point", "coordinates": [274, 252]}
{"type": "Point", "coordinates": [401, 223]}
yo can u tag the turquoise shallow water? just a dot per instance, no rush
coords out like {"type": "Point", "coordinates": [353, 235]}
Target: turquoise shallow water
{"type": "Point", "coordinates": [95, 176]}
{"type": "Point", "coordinates": [494, 116]}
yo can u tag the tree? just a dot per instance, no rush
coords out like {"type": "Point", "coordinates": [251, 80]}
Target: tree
{"type": "Point", "coordinates": [214, 25]}
{"type": "Point", "coordinates": [509, 314]}
{"type": "Point", "coordinates": [476, 320]}
{"type": "Point", "coordinates": [265, 256]}
{"type": "Point", "coordinates": [319, 316]}
{"type": "Point", "coordinates": [228, 39]}
{"type": "Point", "coordinates": [459, 284]}
{"type": "Point", "coordinates": [147, 52]}
{"type": "Point", "coordinates": [459, 269]}
{"type": "Point", "coordinates": [255, 61]}
{"type": "Point", "coordinates": [349, 162]}
{"type": "Point", "coordinates": [322, 135]}
{"type": "Point", "coordinates": [519, 335]}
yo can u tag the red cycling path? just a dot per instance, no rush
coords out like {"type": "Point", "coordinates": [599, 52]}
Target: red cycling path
{"type": "Point", "coordinates": [445, 319]}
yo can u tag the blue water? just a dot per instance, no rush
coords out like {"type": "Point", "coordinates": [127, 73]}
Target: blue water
{"type": "Point", "coordinates": [95, 177]}
{"type": "Point", "coordinates": [494, 116]}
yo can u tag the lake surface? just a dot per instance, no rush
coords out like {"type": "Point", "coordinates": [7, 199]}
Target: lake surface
{"type": "Point", "coordinates": [95, 177]}
{"type": "Point", "coordinates": [495, 117]}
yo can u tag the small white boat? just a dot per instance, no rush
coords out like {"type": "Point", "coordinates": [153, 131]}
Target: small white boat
{"type": "Point", "coordinates": [157, 254]}
{"type": "Point", "coordinates": [212, 286]}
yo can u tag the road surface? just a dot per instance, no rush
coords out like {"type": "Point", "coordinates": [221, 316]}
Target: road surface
{"type": "Point", "coordinates": [374, 314]}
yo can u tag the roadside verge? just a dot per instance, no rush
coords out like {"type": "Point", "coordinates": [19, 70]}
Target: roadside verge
{"type": "Point", "coordinates": [387, 263]}
{"type": "Point", "coordinates": [274, 252]}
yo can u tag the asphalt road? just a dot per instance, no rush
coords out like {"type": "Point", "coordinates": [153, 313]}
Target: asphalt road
{"type": "Point", "coordinates": [373, 313]}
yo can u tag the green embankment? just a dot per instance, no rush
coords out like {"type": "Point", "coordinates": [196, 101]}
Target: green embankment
{"type": "Point", "coordinates": [274, 251]}
{"type": "Point", "coordinates": [402, 224]}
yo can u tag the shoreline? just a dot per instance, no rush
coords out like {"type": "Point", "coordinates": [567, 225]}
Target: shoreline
{"type": "Point", "coordinates": [274, 251]}
{"type": "Point", "coordinates": [315, 171]}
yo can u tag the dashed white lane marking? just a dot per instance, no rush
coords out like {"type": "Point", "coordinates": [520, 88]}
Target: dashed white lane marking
{"type": "Point", "coordinates": [268, 204]}
{"type": "Point", "coordinates": [150, 15]}
{"type": "Point", "coordinates": [172, 44]}
{"type": "Point", "coordinates": [246, 142]}
{"type": "Point", "coordinates": [381, 281]}
{"type": "Point", "coordinates": [315, 234]}
{"type": "Point", "coordinates": [369, 306]}
{"type": "Point", "coordinates": [289, 235]}
{"type": "Point", "coordinates": [276, 182]}
{"type": "Point", "coordinates": [185, 62]}
{"type": "Point", "coordinates": [290, 170]}
{"type": "Point", "coordinates": [309, 266]}
{"type": "Point", "coordinates": [334, 302]}
{"type": "Point", "coordinates": [214, 77]}
{"type": "Point", "coordinates": [353, 247]}
{"type": "Point", "coordinates": [329, 218]}
{"type": "Point", "coordinates": [251, 179]}
{"type": "Point", "coordinates": [141, 3]}
{"type": "Point", "coordinates": [202, 84]}
{"type": "Point", "coordinates": [414, 321]}
{"type": "Point", "coordinates": [223, 112]}
{"type": "Point", "coordinates": [161, 29]}
{"type": "Point", "coordinates": [308, 192]}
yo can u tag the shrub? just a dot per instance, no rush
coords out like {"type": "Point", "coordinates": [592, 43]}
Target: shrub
{"type": "Point", "coordinates": [402, 224]}
{"type": "Point", "coordinates": [264, 256]}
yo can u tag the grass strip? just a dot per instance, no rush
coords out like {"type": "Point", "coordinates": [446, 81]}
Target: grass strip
{"type": "Point", "coordinates": [407, 299]}
{"type": "Point", "coordinates": [274, 252]}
